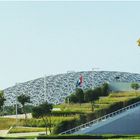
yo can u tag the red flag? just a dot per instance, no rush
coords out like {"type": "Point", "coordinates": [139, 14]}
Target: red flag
{"type": "Point", "coordinates": [81, 79]}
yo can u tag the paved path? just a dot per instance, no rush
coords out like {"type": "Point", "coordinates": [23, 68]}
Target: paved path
{"type": "Point", "coordinates": [3, 132]}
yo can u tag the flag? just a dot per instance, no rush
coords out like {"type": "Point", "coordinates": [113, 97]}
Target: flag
{"type": "Point", "coordinates": [80, 81]}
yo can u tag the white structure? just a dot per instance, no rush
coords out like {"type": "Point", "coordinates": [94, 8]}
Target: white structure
{"type": "Point", "coordinates": [58, 87]}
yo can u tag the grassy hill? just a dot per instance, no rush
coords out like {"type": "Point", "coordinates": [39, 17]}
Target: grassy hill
{"type": "Point", "coordinates": [101, 103]}
{"type": "Point", "coordinates": [71, 112]}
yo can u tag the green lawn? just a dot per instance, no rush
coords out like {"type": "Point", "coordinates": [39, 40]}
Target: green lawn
{"type": "Point", "coordinates": [6, 123]}
{"type": "Point", "coordinates": [26, 129]}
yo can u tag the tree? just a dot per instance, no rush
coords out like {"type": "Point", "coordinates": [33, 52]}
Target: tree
{"type": "Point", "coordinates": [98, 91]}
{"type": "Point", "coordinates": [73, 98]}
{"type": "Point", "coordinates": [135, 86]}
{"type": "Point", "coordinates": [105, 89]}
{"type": "Point", "coordinates": [90, 96]}
{"type": "Point", "coordinates": [79, 95]}
{"type": "Point", "coordinates": [44, 111]}
{"type": "Point", "coordinates": [2, 99]}
{"type": "Point", "coordinates": [23, 99]}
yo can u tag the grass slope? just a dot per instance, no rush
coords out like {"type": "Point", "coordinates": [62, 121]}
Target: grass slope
{"type": "Point", "coordinates": [26, 129]}
{"type": "Point", "coordinates": [101, 103]}
{"type": "Point", "coordinates": [5, 123]}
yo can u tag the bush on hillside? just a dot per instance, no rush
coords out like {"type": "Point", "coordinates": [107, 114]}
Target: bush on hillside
{"type": "Point", "coordinates": [72, 98]}
{"type": "Point", "coordinates": [89, 95]}
{"type": "Point", "coordinates": [135, 86]}
{"type": "Point", "coordinates": [80, 95]}
{"type": "Point", "coordinates": [105, 89]}
{"type": "Point", "coordinates": [65, 125]}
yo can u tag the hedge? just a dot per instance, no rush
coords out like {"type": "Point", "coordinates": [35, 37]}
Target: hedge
{"type": "Point", "coordinates": [104, 136]}
{"type": "Point", "coordinates": [65, 113]}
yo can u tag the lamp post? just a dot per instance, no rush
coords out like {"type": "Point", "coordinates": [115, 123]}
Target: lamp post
{"type": "Point", "coordinates": [16, 110]}
{"type": "Point", "coordinates": [16, 104]}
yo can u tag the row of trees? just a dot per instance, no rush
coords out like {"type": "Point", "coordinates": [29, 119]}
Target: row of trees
{"type": "Point", "coordinates": [22, 99]}
{"type": "Point", "coordinates": [90, 95]}
{"type": "Point", "coordinates": [42, 111]}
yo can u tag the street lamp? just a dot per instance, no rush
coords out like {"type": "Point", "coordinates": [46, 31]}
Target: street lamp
{"type": "Point", "coordinates": [16, 103]}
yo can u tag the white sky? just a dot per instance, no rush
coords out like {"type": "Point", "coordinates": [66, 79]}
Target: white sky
{"type": "Point", "coordinates": [43, 38]}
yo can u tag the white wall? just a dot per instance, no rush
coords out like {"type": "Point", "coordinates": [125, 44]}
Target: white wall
{"type": "Point", "coordinates": [120, 86]}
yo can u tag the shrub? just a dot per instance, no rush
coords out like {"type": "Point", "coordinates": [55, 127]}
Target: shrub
{"type": "Point", "coordinates": [105, 89]}
{"type": "Point", "coordinates": [135, 86]}
{"type": "Point", "coordinates": [79, 95]}
{"type": "Point", "coordinates": [73, 98]}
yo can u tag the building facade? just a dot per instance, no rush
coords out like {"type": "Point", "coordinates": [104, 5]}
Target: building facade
{"type": "Point", "coordinates": [56, 88]}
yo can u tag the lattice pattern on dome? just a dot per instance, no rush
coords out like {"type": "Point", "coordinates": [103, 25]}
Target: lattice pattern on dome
{"type": "Point", "coordinates": [58, 87]}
